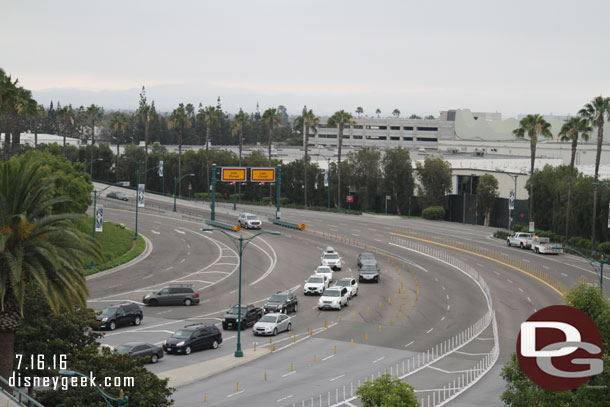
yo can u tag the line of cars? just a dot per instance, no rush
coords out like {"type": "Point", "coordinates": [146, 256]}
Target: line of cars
{"type": "Point", "coordinates": [538, 244]}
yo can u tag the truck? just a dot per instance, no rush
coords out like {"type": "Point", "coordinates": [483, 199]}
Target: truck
{"type": "Point", "coordinates": [521, 239]}
{"type": "Point", "coordinates": [543, 245]}
{"type": "Point", "coordinates": [249, 316]}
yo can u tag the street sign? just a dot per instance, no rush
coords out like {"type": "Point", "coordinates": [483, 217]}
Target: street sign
{"type": "Point", "coordinates": [388, 197]}
{"type": "Point", "coordinates": [511, 200]}
{"type": "Point", "coordinates": [161, 168]}
{"type": "Point", "coordinates": [349, 198]}
{"type": "Point", "coordinates": [531, 226]}
{"type": "Point", "coordinates": [141, 196]}
{"type": "Point", "coordinates": [230, 174]}
{"type": "Point", "coordinates": [99, 218]}
{"type": "Point", "coordinates": [262, 175]}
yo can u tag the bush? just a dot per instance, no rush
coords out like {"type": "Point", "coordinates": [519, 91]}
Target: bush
{"type": "Point", "coordinates": [500, 234]}
{"type": "Point", "coordinates": [284, 201]}
{"type": "Point", "coordinates": [580, 242]}
{"type": "Point", "coordinates": [266, 200]}
{"type": "Point", "coordinates": [205, 195]}
{"type": "Point", "coordinates": [604, 248]}
{"type": "Point", "coordinates": [434, 213]}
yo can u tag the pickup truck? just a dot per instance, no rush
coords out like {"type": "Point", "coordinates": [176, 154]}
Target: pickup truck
{"type": "Point", "coordinates": [543, 245]}
{"type": "Point", "coordinates": [521, 239]}
{"type": "Point", "coordinates": [249, 316]}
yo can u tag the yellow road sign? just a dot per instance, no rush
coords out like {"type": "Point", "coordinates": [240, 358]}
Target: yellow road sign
{"type": "Point", "coordinates": [233, 174]}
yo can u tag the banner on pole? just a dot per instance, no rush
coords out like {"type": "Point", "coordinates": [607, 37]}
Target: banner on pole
{"type": "Point", "coordinates": [511, 200]}
{"type": "Point", "coordinates": [326, 179]}
{"type": "Point", "coordinates": [141, 196]}
{"type": "Point", "coordinates": [99, 218]}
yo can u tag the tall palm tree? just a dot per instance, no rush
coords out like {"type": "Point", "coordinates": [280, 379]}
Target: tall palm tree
{"type": "Point", "coordinates": [66, 121]}
{"type": "Point", "coordinates": [307, 121]}
{"type": "Point", "coordinates": [575, 127]}
{"type": "Point", "coordinates": [272, 118]}
{"type": "Point", "coordinates": [340, 119]}
{"type": "Point", "coordinates": [378, 111]}
{"type": "Point", "coordinates": [145, 114]}
{"type": "Point", "coordinates": [396, 113]}
{"type": "Point", "coordinates": [208, 116]}
{"type": "Point", "coordinates": [180, 121]}
{"type": "Point", "coordinates": [94, 115]}
{"type": "Point", "coordinates": [239, 123]}
{"type": "Point", "coordinates": [359, 111]}
{"type": "Point", "coordinates": [37, 249]}
{"type": "Point", "coordinates": [8, 91]}
{"type": "Point", "coordinates": [532, 126]}
{"type": "Point", "coordinates": [37, 122]}
{"type": "Point", "coordinates": [118, 123]}
{"type": "Point", "coordinates": [22, 109]}
{"type": "Point", "coordinates": [595, 111]}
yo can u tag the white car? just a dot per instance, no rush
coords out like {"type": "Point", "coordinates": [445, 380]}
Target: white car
{"type": "Point", "coordinates": [521, 239]}
{"type": "Point", "coordinates": [331, 260]}
{"type": "Point", "coordinates": [325, 271]}
{"type": "Point", "coordinates": [329, 249]}
{"type": "Point", "coordinates": [315, 284]}
{"type": "Point", "coordinates": [249, 221]}
{"type": "Point", "coordinates": [350, 283]}
{"type": "Point", "coordinates": [334, 298]}
{"type": "Point", "coordinates": [272, 324]}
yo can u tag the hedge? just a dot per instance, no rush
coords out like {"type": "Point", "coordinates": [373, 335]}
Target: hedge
{"type": "Point", "coordinates": [434, 213]}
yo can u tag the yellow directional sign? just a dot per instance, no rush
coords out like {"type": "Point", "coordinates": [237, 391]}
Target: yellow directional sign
{"type": "Point", "coordinates": [262, 174]}
{"type": "Point", "coordinates": [233, 174]}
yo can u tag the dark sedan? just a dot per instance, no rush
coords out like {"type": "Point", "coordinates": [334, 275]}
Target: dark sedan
{"type": "Point", "coordinates": [141, 349]}
{"type": "Point", "coordinates": [117, 195]}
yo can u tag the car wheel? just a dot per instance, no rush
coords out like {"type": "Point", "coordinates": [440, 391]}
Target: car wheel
{"type": "Point", "coordinates": [153, 303]}
{"type": "Point", "coordinates": [508, 243]}
{"type": "Point", "coordinates": [188, 350]}
{"type": "Point", "coordinates": [154, 358]}
{"type": "Point", "coordinates": [215, 345]}
{"type": "Point", "coordinates": [274, 331]}
{"type": "Point", "coordinates": [296, 307]}
{"type": "Point", "coordinates": [347, 302]}
{"type": "Point", "coordinates": [521, 245]}
{"type": "Point", "coordinates": [112, 325]}
{"type": "Point", "coordinates": [289, 327]}
{"type": "Point", "coordinates": [188, 302]}
{"type": "Point", "coordinates": [137, 321]}
{"type": "Point", "coordinates": [536, 250]}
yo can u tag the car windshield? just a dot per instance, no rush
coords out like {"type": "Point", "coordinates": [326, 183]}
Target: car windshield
{"type": "Point", "coordinates": [315, 280]}
{"type": "Point", "coordinates": [324, 270]}
{"type": "Point", "coordinates": [252, 217]}
{"type": "Point", "coordinates": [367, 256]}
{"type": "Point", "coordinates": [331, 256]}
{"type": "Point", "coordinates": [182, 334]}
{"type": "Point", "coordinates": [368, 268]}
{"type": "Point", "coordinates": [277, 298]}
{"type": "Point", "coordinates": [343, 283]}
{"type": "Point", "coordinates": [119, 194]}
{"type": "Point", "coordinates": [234, 310]}
{"type": "Point", "coordinates": [122, 349]}
{"type": "Point", "coordinates": [332, 293]}
{"type": "Point", "coordinates": [268, 318]}
{"type": "Point", "coordinates": [109, 311]}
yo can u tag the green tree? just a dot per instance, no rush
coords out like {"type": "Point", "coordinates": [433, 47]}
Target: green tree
{"type": "Point", "coordinates": [94, 115]}
{"type": "Point", "coordinates": [414, 116]}
{"type": "Point", "coordinates": [398, 177]}
{"type": "Point", "coordinates": [118, 123]}
{"type": "Point", "coordinates": [387, 392]}
{"type": "Point", "coordinates": [208, 116]}
{"type": "Point", "coordinates": [271, 118]}
{"type": "Point", "coordinates": [378, 112]}
{"type": "Point", "coordinates": [487, 192]}
{"type": "Point", "coordinates": [595, 111]}
{"type": "Point", "coordinates": [179, 120]}
{"type": "Point", "coordinates": [306, 121]}
{"type": "Point", "coordinates": [435, 179]}
{"type": "Point", "coordinates": [577, 127]}
{"type": "Point", "coordinates": [366, 175]}
{"type": "Point", "coordinates": [533, 126]}
{"type": "Point", "coordinates": [396, 113]}
{"type": "Point", "coordinates": [340, 119]}
{"type": "Point", "coordinates": [36, 247]}
{"type": "Point", "coordinates": [239, 124]}
{"type": "Point", "coordinates": [359, 111]}
{"type": "Point", "coordinates": [66, 121]}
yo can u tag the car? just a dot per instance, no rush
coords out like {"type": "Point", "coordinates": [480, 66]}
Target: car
{"type": "Point", "coordinates": [368, 273]}
{"type": "Point", "coordinates": [193, 337]}
{"type": "Point", "coordinates": [325, 271]}
{"type": "Point", "coordinates": [521, 239]}
{"type": "Point", "coordinates": [350, 283]}
{"type": "Point", "coordinates": [315, 284]}
{"type": "Point", "coordinates": [272, 324]}
{"type": "Point", "coordinates": [334, 298]}
{"type": "Point", "coordinates": [366, 258]}
{"type": "Point", "coordinates": [249, 315]}
{"type": "Point", "coordinates": [332, 260]}
{"type": "Point", "coordinates": [175, 294]}
{"type": "Point", "coordinates": [126, 313]}
{"type": "Point", "coordinates": [282, 301]}
{"type": "Point", "coordinates": [543, 245]}
{"type": "Point", "coordinates": [117, 195]}
{"type": "Point", "coordinates": [329, 249]}
{"type": "Point", "coordinates": [141, 349]}
{"type": "Point", "coordinates": [249, 221]}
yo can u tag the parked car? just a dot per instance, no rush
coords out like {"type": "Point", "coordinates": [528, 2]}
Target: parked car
{"type": "Point", "coordinates": [521, 239]}
{"type": "Point", "coordinates": [282, 301]}
{"type": "Point", "coordinates": [332, 260]}
{"type": "Point", "coordinates": [366, 258]}
{"type": "Point", "coordinates": [175, 294]}
{"type": "Point", "coordinates": [249, 315]}
{"type": "Point", "coordinates": [117, 195]}
{"type": "Point", "coordinates": [272, 324]}
{"type": "Point", "coordinates": [334, 298]}
{"type": "Point", "coordinates": [249, 221]}
{"type": "Point", "coordinates": [543, 245]}
{"type": "Point", "coordinates": [193, 337]}
{"type": "Point", "coordinates": [141, 349]}
{"type": "Point", "coordinates": [315, 284]}
{"type": "Point", "coordinates": [325, 271]}
{"type": "Point", "coordinates": [350, 283]}
{"type": "Point", "coordinates": [126, 313]}
{"type": "Point", "coordinates": [368, 273]}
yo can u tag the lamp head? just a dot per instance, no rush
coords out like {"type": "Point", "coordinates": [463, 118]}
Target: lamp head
{"type": "Point", "coordinates": [275, 233]}
{"type": "Point", "coordinates": [206, 229]}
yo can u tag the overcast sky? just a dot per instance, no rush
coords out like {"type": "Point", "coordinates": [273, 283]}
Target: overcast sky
{"type": "Point", "coordinates": [418, 56]}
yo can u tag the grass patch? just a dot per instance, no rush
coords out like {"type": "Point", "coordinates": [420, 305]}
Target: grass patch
{"type": "Point", "coordinates": [500, 234]}
{"type": "Point", "coordinates": [117, 245]}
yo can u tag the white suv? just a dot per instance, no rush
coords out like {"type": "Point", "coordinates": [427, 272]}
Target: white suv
{"type": "Point", "coordinates": [350, 283]}
{"type": "Point", "coordinates": [331, 260]}
{"type": "Point", "coordinates": [315, 284]}
{"type": "Point", "coordinates": [334, 298]}
{"type": "Point", "coordinates": [326, 272]}
{"type": "Point", "coordinates": [249, 221]}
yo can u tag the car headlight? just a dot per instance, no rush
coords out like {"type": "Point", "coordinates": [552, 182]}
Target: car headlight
{"type": "Point", "coordinates": [335, 302]}
{"type": "Point", "coordinates": [180, 343]}
{"type": "Point", "coordinates": [267, 329]}
{"type": "Point", "coordinates": [147, 296]}
{"type": "Point", "coordinates": [104, 319]}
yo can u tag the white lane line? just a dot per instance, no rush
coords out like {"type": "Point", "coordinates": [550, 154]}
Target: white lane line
{"type": "Point", "coordinates": [319, 248]}
{"type": "Point", "coordinates": [480, 265]}
{"type": "Point", "coordinates": [353, 234]}
{"type": "Point", "coordinates": [410, 343]}
{"type": "Point", "coordinates": [448, 307]}
{"type": "Point", "coordinates": [182, 232]}
{"type": "Point", "coordinates": [335, 378]}
{"type": "Point", "coordinates": [470, 354]}
{"type": "Point", "coordinates": [155, 232]}
{"type": "Point", "coordinates": [526, 260]}
{"type": "Point", "coordinates": [443, 287]}
{"type": "Point", "coordinates": [169, 268]}
{"type": "Point", "coordinates": [436, 279]}
{"type": "Point", "coordinates": [546, 267]}
{"type": "Point", "coordinates": [230, 337]}
{"type": "Point", "coordinates": [328, 357]}
{"type": "Point", "coordinates": [157, 331]}
{"type": "Point", "coordinates": [447, 297]}
{"type": "Point", "coordinates": [284, 398]}
{"type": "Point", "coordinates": [188, 245]}
{"type": "Point", "coordinates": [443, 318]}
{"type": "Point", "coordinates": [182, 261]}
{"type": "Point", "coordinates": [377, 360]}
{"type": "Point", "coordinates": [377, 234]}
{"type": "Point", "coordinates": [496, 272]}
{"type": "Point", "coordinates": [377, 240]}
{"type": "Point", "coordinates": [235, 394]}
{"type": "Point", "coordinates": [233, 292]}
{"type": "Point", "coordinates": [429, 330]}
{"type": "Point", "coordinates": [509, 280]}
{"type": "Point", "coordinates": [288, 374]}
{"type": "Point", "coordinates": [163, 312]}
{"type": "Point", "coordinates": [529, 299]}
{"type": "Point", "coordinates": [520, 289]}
{"type": "Point", "coordinates": [188, 253]}
{"type": "Point", "coordinates": [148, 276]}
{"type": "Point", "coordinates": [564, 274]}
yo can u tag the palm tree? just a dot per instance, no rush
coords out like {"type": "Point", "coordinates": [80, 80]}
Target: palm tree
{"type": "Point", "coordinates": [340, 119]}
{"type": "Point", "coordinates": [22, 108]}
{"type": "Point", "coordinates": [359, 111]}
{"type": "Point", "coordinates": [239, 123]}
{"type": "Point", "coordinates": [307, 121]}
{"type": "Point", "coordinates": [575, 127]}
{"type": "Point", "coordinates": [532, 126]}
{"type": "Point", "coordinates": [378, 112]}
{"type": "Point", "coordinates": [208, 116]}
{"type": "Point", "coordinates": [94, 114]}
{"type": "Point", "coordinates": [396, 113]}
{"type": "Point", "coordinates": [594, 112]}
{"type": "Point", "coordinates": [37, 122]}
{"type": "Point", "coordinates": [66, 121]}
{"type": "Point", "coordinates": [272, 118]}
{"type": "Point", "coordinates": [118, 123]}
{"type": "Point", "coordinates": [179, 120]}
{"type": "Point", "coordinates": [37, 249]}
{"type": "Point", "coordinates": [8, 90]}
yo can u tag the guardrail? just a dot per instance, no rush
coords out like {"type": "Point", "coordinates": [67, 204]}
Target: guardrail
{"type": "Point", "coordinates": [222, 225]}
{"type": "Point", "coordinates": [286, 224]}
{"type": "Point", "coordinates": [17, 395]}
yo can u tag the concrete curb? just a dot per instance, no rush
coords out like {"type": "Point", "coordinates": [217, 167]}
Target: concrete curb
{"type": "Point", "coordinates": [147, 251]}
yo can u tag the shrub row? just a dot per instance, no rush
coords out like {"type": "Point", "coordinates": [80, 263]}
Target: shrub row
{"type": "Point", "coordinates": [434, 213]}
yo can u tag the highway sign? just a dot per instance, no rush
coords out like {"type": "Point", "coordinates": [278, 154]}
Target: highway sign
{"type": "Point", "coordinates": [262, 175]}
{"type": "Point", "coordinates": [511, 200]}
{"type": "Point", "coordinates": [349, 198]}
{"type": "Point", "coordinates": [141, 196]}
{"type": "Point", "coordinates": [99, 218]}
{"type": "Point", "coordinates": [230, 174]}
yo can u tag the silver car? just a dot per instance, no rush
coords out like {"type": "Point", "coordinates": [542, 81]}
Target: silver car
{"type": "Point", "coordinates": [272, 324]}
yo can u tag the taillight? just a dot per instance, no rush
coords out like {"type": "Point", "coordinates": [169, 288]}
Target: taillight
{"type": "Point", "coordinates": [196, 294]}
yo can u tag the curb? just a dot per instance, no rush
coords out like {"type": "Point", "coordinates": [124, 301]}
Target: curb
{"type": "Point", "coordinates": [147, 251]}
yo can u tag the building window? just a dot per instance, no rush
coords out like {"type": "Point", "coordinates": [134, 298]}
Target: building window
{"type": "Point", "coordinates": [331, 136]}
{"type": "Point", "coordinates": [427, 128]}
{"type": "Point", "coordinates": [395, 138]}
{"type": "Point", "coordinates": [374, 127]}
{"type": "Point", "coordinates": [376, 138]}
{"type": "Point", "coordinates": [357, 137]}
{"type": "Point", "coordinates": [357, 126]}
{"type": "Point", "coordinates": [428, 139]}
{"type": "Point", "coordinates": [407, 138]}
{"type": "Point", "coordinates": [394, 127]}
{"type": "Point", "coordinates": [345, 137]}
{"type": "Point", "coordinates": [408, 128]}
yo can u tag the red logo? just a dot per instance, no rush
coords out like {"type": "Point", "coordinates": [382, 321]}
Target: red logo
{"type": "Point", "coordinates": [349, 198]}
{"type": "Point", "coordinates": [559, 348]}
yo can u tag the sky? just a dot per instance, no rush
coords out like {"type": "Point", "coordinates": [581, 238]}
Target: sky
{"type": "Point", "coordinates": [420, 57]}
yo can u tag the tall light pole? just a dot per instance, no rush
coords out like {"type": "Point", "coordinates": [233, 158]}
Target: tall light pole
{"type": "Point", "coordinates": [240, 243]}
{"type": "Point", "coordinates": [328, 159]}
{"type": "Point", "coordinates": [95, 192]}
{"type": "Point", "coordinates": [122, 400]}
{"type": "Point", "coordinates": [90, 163]}
{"type": "Point", "coordinates": [176, 181]}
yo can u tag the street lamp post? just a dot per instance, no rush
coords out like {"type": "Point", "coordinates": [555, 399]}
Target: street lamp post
{"type": "Point", "coordinates": [176, 181]}
{"type": "Point", "coordinates": [122, 400]}
{"type": "Point", "coordinates": [135, 236]}
{"type": "Point", "coordinates": [95, 192]}
{"type": "Point", "coordinates": [90, 163]}
{"type": "Point", "coordinates": [240, 243]}
{"type": "Point", "coordinates": [601, 262]}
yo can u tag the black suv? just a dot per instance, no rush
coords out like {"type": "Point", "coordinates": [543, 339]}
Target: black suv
{"type": "Point", "coordinates": [126, 313]}
{"type": "Point", "coordinates": [193, 337]}
{"type": "Point", "coordinates": [175, 294]}
{"type": "Point", "coordinates": [249, 316]}
{"type": "Point", "coordinates": [282, 301]}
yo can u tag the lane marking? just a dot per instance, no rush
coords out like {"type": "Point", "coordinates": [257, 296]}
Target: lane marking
{"type": "Point", "coordinates": [377, 360]}
{"type": "Point", "coordinates": [443, 287]}
{"type": "Point", "coordinates": [496, 272]}
{"type": "Point", "coordinates": [529, 299]}
{"type": "Point", "coordinates": [564, 274]}
{"type": "Point", "coordinates": [480, 265]}
{"type": "Point", "coordinates": [526, 260]}
{"type": "Point", "coordinates": [520, 289]}
{"type": "Point", "coordinates": [509, 280]}
{"type": "Point", "coordinates": [284, 398]}
{"type": "Point", "coordinates": [148, 276]}
{"type": "Point", "coordinates": [447, 297]}
{"type": "Point", "coordinates": [447, 371]}
{"type": "Point", "coordinates": [335, 378]}
{"type": "Point", "coordinates": [163, 312]}
{"type": "Point", "coordinates": [234, 394]}
{"type": "Point", "coordinates": [378, 235]}
{"type": "Point", "coordinates": [169, 268]}
{"type": "Point", "coordinates": [443, 318]}
{"type": "Point", "coordinates": [546, 267]}
{"type": "Point", "coordinates": [429, 330]}
{"type": "Point", "coordinates": [182, 261]}
{"type": "Point", "coordinates": [288, 374]}
{"type": "Point", "coordinates": [328, 357]}
{"type": "Point", "coordinates": [410, 343]}
{"type": "Point", "coordinates": [233, 292]}
{"type": "Point", "coordinates": [470, 354]}
{"type": "Point", "coordinates": [448, 307]}
{"type": "Point", "coordinates": [182, 232]}
{"type": "Point", "coordinates": [377, 240]}
{"type": "Point", "coordinates": [155, 232]}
